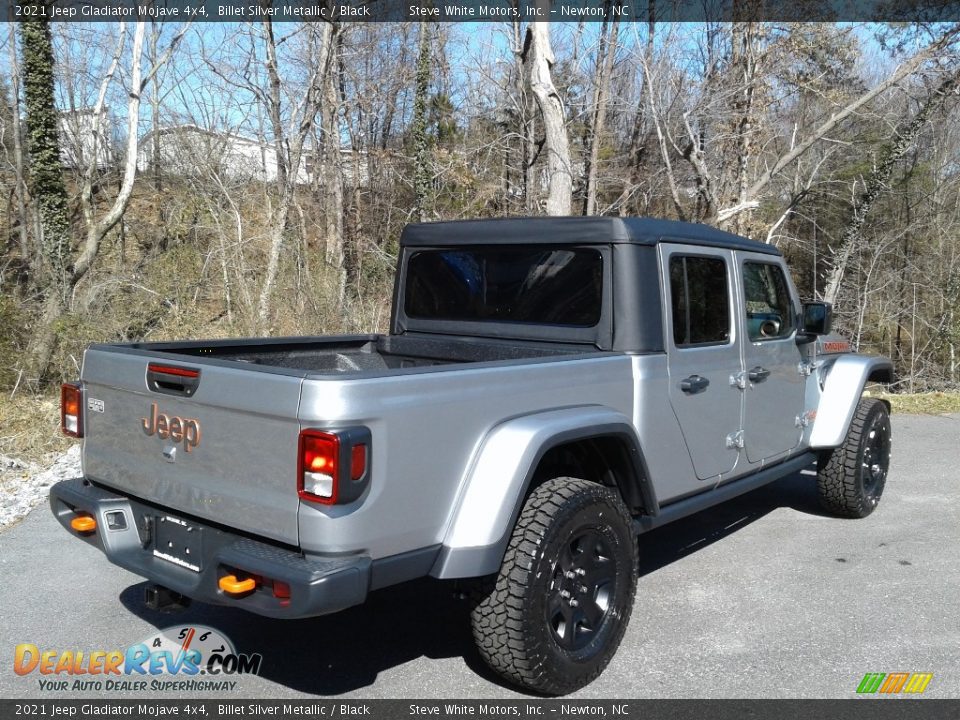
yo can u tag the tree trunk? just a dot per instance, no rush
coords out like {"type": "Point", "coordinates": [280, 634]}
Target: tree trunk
{"type": "Point", "coordinates": [639, 135]}
{"type": "Point", "coordinates": [43, 145]}
{"type": "Point", "coordinates": [274, 107]}
{"type": "Point", "coordinates": [20, 190]}
{"type": "Point", "coordinates": [539, 58]}
{"type": "Point", "coordinates": [155, 121]}
{"type": "Point", "coordinates": [744, 62]}
{"type": "Point", "coordinates": [334, 250]}
{"type": "Point", "coordinates": [422, 175]}
{"type": "Point", "coordinates": [292, 144]}
{"type": "Point", "coordinates": [524, 123]}
{"type": "Point", "coordinates": [606, 54]}
{"type": "Point", "coordinates": [43, 343]}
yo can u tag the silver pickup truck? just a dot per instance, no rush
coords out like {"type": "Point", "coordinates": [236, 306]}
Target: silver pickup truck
{"type": "Point", "coordinates": [549, 389]}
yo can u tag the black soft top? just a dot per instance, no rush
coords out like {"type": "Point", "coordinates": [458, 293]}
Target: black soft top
{"type": "Point", "coordinates": [582, 230]}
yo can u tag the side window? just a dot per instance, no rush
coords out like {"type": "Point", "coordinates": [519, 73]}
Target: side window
{"type": "Point", "coordinates": [700, 301]}
{"type": "Point", "coordinates": [770, 312]}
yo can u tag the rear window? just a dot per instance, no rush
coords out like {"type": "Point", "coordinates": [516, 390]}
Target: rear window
{"type": "Point", "coordinates": [555, 286]}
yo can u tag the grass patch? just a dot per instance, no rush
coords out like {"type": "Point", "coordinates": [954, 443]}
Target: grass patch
{"type": "Point", "coordinates": [930, 403]}
{"type": "Point", "coordinates": [30, 427]}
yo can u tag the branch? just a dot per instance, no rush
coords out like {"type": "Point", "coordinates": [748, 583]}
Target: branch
{"type": "Point", "coordinates": [724, 215]}
{"type": "Point", "coordinates": [86, 195]}
{"type": "Point", "coordinates": [161, 61]}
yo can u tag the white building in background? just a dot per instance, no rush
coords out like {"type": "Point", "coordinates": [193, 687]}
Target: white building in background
{"type": "Point", "coordinates": [193, 150]}
{"type": "Point", "coordinates": [79, 141]}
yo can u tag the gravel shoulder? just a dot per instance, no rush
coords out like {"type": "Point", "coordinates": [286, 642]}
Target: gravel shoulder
{"type": "Point", "coordinates": [24, 485]}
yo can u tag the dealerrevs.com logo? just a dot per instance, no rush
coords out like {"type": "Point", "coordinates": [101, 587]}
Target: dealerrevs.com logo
{"type": "Point", "coordinates": [180, 658]}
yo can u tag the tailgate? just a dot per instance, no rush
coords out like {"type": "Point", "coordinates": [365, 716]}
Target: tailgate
{"type": "Point", "coordinates": [230, 451]}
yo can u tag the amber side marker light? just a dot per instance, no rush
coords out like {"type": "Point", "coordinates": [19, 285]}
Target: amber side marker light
{"type": "Point", "coordinates": [230, 585]}
{"type": "Point", "coordinates": [71, 410]}
{"type": "Point", "coordinates": [83, 524]}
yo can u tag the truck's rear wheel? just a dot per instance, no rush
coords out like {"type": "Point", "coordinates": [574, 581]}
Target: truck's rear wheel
{"type": "Point", "coordinates": [850, 478]}
{"type": "Point", "coordinates": [556, 612]}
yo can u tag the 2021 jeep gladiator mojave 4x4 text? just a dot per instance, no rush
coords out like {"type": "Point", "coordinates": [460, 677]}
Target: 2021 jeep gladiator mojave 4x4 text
{"type": "Point", "coordinates": [549, 389]}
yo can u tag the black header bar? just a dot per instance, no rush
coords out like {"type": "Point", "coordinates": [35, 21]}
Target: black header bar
{"type": "Point", "coordinates": [488, 10]}
{"type": "Point", "coordinates": [327, 708]}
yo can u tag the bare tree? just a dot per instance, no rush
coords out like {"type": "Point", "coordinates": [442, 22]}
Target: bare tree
{"type": "Point", "coordinates": [904, 136]}
{"type": "Point", "coordinates": [606, 54]}
{"type": "Point", "coordinates": [749, 197]}
{"type": "Point", "coordinates": [539, 58]}
{"type": "Point", "coordinates": [333, 175]}
{"type": "Point", "coordinates": [97, 227]}
{"type": "Point", "coordinates": [289, 142]}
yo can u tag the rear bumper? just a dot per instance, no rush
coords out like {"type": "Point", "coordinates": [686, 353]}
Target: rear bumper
{"type": "Point", "coordinates": [318, 585]}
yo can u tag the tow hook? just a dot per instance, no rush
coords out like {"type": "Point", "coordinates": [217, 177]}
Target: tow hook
{"type": "Point", "coordinates": [162, 599]}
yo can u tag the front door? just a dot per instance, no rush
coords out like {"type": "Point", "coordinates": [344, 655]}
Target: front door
{"type": "Point", "coordinates": [774, 388]}
{"type": "Point", "coordinates": [704, 353]}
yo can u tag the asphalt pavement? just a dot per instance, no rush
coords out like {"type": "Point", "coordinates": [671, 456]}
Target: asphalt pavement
{"type": "Point", "coordinates": [761, 597]}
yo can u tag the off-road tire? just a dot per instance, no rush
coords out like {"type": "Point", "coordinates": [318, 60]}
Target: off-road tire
{"type": "Point", "coordinates": [850, 478]}
{"type": "Point", "coordinates": [575, 537]}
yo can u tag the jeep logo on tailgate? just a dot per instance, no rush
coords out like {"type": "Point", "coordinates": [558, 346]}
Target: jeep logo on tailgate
{"type": "Point", "coordinates": [178, 429]}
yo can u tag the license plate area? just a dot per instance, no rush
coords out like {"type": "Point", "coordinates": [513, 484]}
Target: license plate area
{"type": "Point", "coordinates": [179, 541]}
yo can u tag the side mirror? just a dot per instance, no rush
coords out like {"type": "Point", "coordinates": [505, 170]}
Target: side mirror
{"type": "Point", "coordinates": [817, 320]}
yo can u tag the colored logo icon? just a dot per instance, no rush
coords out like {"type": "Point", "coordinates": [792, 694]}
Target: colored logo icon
{"type": "Point", "coordinates": [893, 683]}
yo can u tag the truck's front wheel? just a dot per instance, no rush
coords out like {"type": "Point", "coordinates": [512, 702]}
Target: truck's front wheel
{"type": "Point", "coordinates": [850, 478]}
{"type": "Point", "coordinates": [558, 608]}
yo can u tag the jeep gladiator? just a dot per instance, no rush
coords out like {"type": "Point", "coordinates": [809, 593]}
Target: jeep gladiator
{"type": "Point", "coordinates": [549, 389]}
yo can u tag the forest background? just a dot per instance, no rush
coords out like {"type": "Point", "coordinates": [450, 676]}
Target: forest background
{"type": "Point", "coordinates": [170, 181]}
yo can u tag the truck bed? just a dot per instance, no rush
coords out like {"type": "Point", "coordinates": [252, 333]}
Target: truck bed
{"type": "Point", "coordinates": [418, 396]}
{"type": "Point", "coordinates": [363, 353]}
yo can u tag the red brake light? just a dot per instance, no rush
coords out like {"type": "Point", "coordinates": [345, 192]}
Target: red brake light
{"type": "Point", "coordinates": [318, 466]}
{"type": "Point", "coordinates": [71, 410]}
{"type": "Point", "coordinates": [172, 370]}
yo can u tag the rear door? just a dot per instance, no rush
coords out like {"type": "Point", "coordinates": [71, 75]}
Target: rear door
{"type": "Point", "coordinates": [704, 353]}
{"type": "Point", "coordinates": [774, 389]}
{"type": "Point", "coordinates": [220, 446]}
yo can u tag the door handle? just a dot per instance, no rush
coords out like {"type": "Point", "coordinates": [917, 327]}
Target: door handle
{"type": "Point", "coordinates": [694, 384]}
{"type": "Point", "coordinates": [758, 374]}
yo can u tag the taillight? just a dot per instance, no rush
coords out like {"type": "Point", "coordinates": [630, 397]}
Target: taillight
{"type": "Point", "coordinates": [333, 466]}
{"type": "Point", "coordinates": [71, 409]}
{"type": "Point", "coordinates": [319, 466]}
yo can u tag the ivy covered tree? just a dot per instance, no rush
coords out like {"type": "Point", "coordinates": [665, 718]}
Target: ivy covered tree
{"type": "Point", "coordinates": [46, 183]}
{"type": "Point", "coordinates": [421, 143]}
